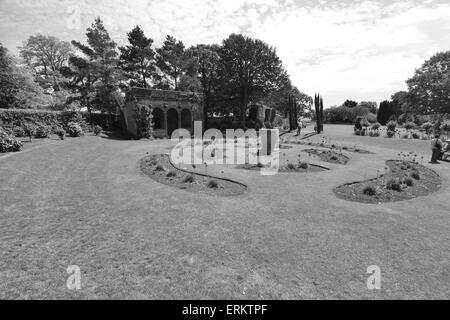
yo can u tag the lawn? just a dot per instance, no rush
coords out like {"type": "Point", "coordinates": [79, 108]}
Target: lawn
{"type": "Point", "coordinates": [85, 202]}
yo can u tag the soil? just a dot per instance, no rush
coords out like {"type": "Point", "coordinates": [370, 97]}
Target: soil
{"type": "Point", "coordinates": [329, 156]}
{"type": "Point", "coordinates": [428, 182]}
{"type": "Point", "coordinates": [160, 169]}
{"type": "Point", "coordinates": [327, 146]}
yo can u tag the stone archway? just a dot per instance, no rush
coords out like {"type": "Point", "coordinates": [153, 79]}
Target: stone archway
{"type": "Point", "coordinates": [186, 119]}
{"type": "Point", "coordinates": [158, 119]}
{"type": "Point", "coordinates": [172, 121]}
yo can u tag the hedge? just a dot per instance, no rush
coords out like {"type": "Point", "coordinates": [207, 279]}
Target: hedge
{"type": "Point", "coordinates": [17, 117]}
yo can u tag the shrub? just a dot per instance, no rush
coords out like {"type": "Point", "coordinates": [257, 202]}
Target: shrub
{"type": "Point", "coordinates": [61, 133]}
{"type": "Point", "coordinates": [390, 134]}
{"type": "Point", "coordinates": [391, 126]}
{"type": "Point", "coordinates": [416, 135]}
{"type": "Point", "coordinates": [97, 130]}
{"type": "Point", "coordinates": [291, 166]}
{"type": "Point", "coordinates": [376, 126]}
{"type": "Point", "coordinates": [30, 130]}
{"type": "Point", "coordinates": [303, 165]}
{"type": "Point", "coordinates": [427, 127]}
{"type": "Point", "coordinates": [415, 175]}
{"type": "Point", "coordinates": [212, 184]}
{"type": "Point", "coordinates": [159, 168]}
{"type": "Point", "coordinates": [371, 118]}
{"type": "Point", "coordinates": [445, 126]}
{"type": "Point", "coordinates": [409, 125]}
{"type": "Point", "coordinates": [42, 131]}
{"type": "Point", "coordinates": [8, 143]}
{"type": "Point", "coordinates": [358, 132]}
{"type": "Point", "coordinates": [376, 134]}
{"type": "Point", "coordinates": [370, 190]}
{"type": "Point", "coordinates": [409, 182]}
{"type": "Point", "coordinates": [393, 184]}
{"type": "Point", "coordinates": [404, 136]}
{"type": "Point", "coordinates": [19, 132]}
{"type": "Point", "coordinates": [172, 173]}
{"type": "Point", "coordinates": [188, 179]}
{"type": "Point", "coordinates": [74, 130]}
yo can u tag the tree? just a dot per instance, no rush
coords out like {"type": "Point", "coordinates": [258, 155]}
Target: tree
{"type": "Point", "coordinates": [386, 110]}
{"type": "Point", "coordinates": [350, 104]}
{"type": "Point", "coordinates": [46, 55]}
{"type": "Point", "coordinates": [369, 105]}
{"type": "Point", "coordinates": [18, 88]}
{"type": "Point", "coordinates": [170, 59]}
{"type": "Point", "coordinates": [203, 65]}
{"type": "Point", "coordinates": [97, 70]}
{"type": "Point", "coordinates": [251, 68]}
{"type": "Point", "coordinates": [429, 88]}
{"type": "Point", "coordinates": [137, 59]}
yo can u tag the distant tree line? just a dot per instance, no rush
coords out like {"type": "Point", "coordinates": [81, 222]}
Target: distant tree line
{"type": "Point", "coordinates": [58, 75]}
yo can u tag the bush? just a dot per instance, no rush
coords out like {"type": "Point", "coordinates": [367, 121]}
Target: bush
{"type": "Point", "coordinates": [188, 179]}
{"type": "Point", "coordinates": [212, 184]}
{"type": "Point", "coordinates": [42, 131]}
{"type": "Point", "coordinates": [172, 174]}
{"type": "Point", "coordinates": [358, 132]}
{"type": "Point", "coordinates": [8, 143]}
{"type": "Point", "coordinates": [445, 126]}
{"type": "Point", "coordinates": [416, 135]}
{"type": "Point", "coordinates": [291, 166]}
{"type": "Point", "coordinates": [371, 118]}
{"type": "Point", "coordinates": [74, 130]}
{"type": "Point", "coordinates": [391, 126]}
{"type": "Point", "coordinates": [427, 127]}
{"type": "Point", "coordinates": [415, 175]}
{"type": "Point", "coordinates": [376, 133]}
{"type": "Point", "coordinates": [98, 130]}
{"type": "Point", "coordinates": [370, 190]}
{"type": "Point", "coordinates": [390, 134]}
{"type": "Point", "coordinates": [303, 165]}
{"type": "Point", "coordinates": [61, 133]}
{"type": "Point", "coordinates": [409, 182]}
{"type": "Point", "coordinates": [394, 184]}
{"type": "Point", "coordinates": [376, 126]}
{"type": "Point", "coordinates": [19, 132]}
{"type": "Point", "coordinates": [159, 168]}
{"type": "Point", "coordinates": [409, 125]}
{"type": "Point", "coordinates": [404, 136]}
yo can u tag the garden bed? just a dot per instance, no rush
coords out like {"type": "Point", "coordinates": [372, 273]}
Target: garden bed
{"type": "Point", "coordinates": [329, 156]}
{"type": "Point", "coordinates": [402, 180]}
{"type": "Point", "coordinates": [354, 149]}
{"type": "Point", "coordinates": [160, 169]}
{"type": "Point", "coordinates": [297, 168]}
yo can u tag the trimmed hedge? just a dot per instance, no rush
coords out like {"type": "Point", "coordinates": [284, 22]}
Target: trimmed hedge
{"type": "Point", "coordinates": [10, 118]}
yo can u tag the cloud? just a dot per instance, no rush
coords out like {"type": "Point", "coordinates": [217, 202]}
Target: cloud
{"type": "Point", "coordinates": [363, 50]}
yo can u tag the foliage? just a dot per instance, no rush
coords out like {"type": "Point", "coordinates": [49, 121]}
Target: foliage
{"type": "Point", "coordinates": [19, 132]}
{"type": "Point", "coordinates": [350, 104]}
{"type": "Point", "coordinates": [172, 173]}
{"type": "Point", "coordinates": [409, 125]}
{"type": "Point", "coordinates": [97, 130]}
{"type": "Point", "coordinates": [387, 110]}
{"type": "Point", "coordinates": [429, 88]}
{"type": "Point", "coordinates": [61, 133]}
{"type": "Point", "coordinates": [391, 126]}
{"type": "Point", "coordinates": [371, 118]}
{"type": "Point", "coordinates": [137, 59]}
{"type": "Point", "coordinates": [415, 175]}
{"type": "Point", "coordinates": [390, 134]}
{"type": "Point", "coordinates": [428, 127]}
{"type": "Point", "coordinates": [74, 130]}
{"type": "Point", "coordinates": [393, 184]}
{"type": "Point", "coordinates": [370, 190]}
{"type": "Point", "coordinates": [188, 179]}
{"type": "Point", "coordinates": [252, 69]}
{"type": "Point", "coordinates": [9, 143]}
{"type": "Point", "coordinates": [376, 126]}
{"type": "Point", "coordinates": [144, 121]}
{"type": "Point", "coordinates": [408, 181]}
{"type": "Point", "coordinates": [212, 184]}
{"type": "Point", "coordinates": [170, 60]}
{"type": "Point", "coordinates": [42, 131]}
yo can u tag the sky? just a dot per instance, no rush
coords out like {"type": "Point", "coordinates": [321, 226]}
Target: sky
{"type": "Point", "coordinates": [347, 49]}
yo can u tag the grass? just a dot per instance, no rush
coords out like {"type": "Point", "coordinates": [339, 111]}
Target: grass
{"type": "Point", "coordinates": [83, 201]}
